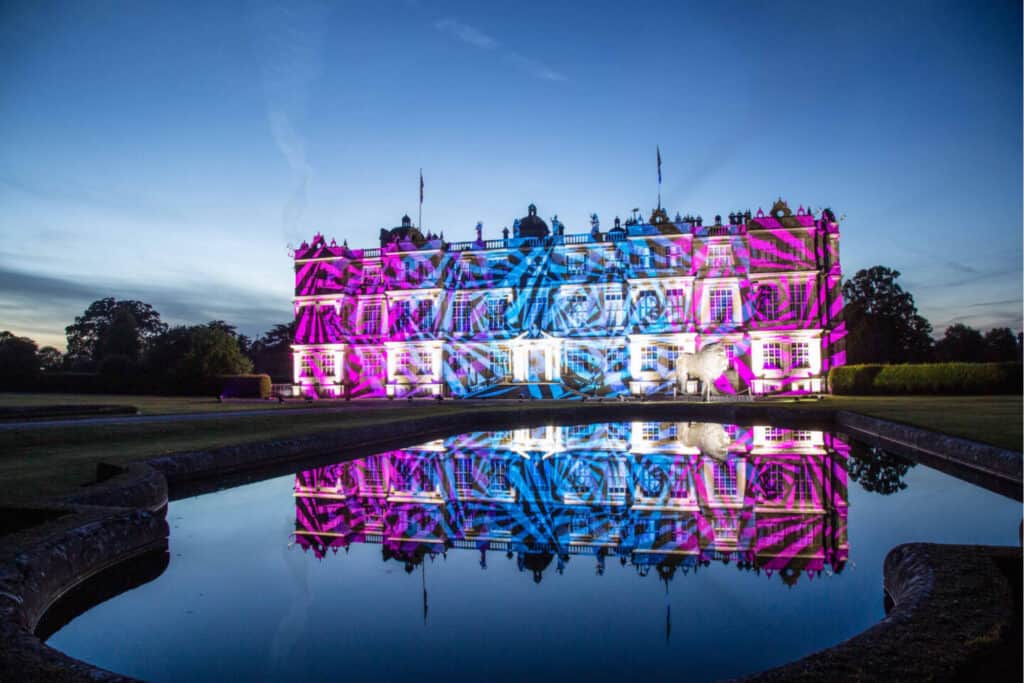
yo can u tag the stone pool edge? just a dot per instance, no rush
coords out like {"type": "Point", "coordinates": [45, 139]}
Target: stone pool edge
{"type": "Point", "coordinates": [121, 517]}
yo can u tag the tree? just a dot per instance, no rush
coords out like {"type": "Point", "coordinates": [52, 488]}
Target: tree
{"type": "Point", "coordinates": [882, 320]}
{"type": "Point", "coordinates": [19, 364]}
{"type": "Point", "coordinates": [121, 337]}
{"type": "Point", "coordinates": [86, 344]}
{"type": "Point", "coordinates": [960, 343]}
{"type": "Point", "coordinates": [50, 359]}
{"type": "Point", "coordinates": [877, 470]}
{"type": "Point", "coordinates": [1000, 345]}
{"type": "Point", "coordinates": [272, 352]}
{"type": "Point", "coordinates": [212, 351]}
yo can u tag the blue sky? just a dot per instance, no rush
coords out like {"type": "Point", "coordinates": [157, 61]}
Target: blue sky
{"type": "Point", "coordinates": [170, 152]}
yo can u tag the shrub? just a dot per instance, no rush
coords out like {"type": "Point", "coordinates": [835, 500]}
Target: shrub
{"type": "Point", "coordinates": [245, 386]}
{"type": "Point", "coordinates": [930, 378]}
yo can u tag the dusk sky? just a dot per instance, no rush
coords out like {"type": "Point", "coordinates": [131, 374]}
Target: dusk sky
{"type": "Point", "coordinates": [170, 152]}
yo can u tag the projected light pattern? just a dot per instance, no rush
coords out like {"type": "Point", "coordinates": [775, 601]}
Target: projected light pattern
{"type": "Point", "coordinates": [650, 494]}
{"type": "Point", "coordinates": [545, 314]}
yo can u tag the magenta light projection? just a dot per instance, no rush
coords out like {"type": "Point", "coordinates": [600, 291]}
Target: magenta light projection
{"type": "Point", "coordinates": [545, 314]}
{"type": "Point", "coordinates": [663, 495]}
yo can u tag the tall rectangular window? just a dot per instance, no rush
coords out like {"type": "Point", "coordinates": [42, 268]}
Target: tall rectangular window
{"type": "Point", "coordinates": [675, 256]}
{"type": "Point", "coordinates": [500, 366]}
{"type": "Point", "coordinates": [801, 484]}
{"type": "Point", "coordinates": [306, 366]}
{"type": "Point", "coordinates": [615, 259]}
{"type": "Point", "coordinates": [403, 363]}
{"type": "Point", "coordinates": [647, 306]}
{"type": "Point", "coordinates": [616, 360]}
{"type": "Point", "coordinates": [461, 315]}
{"type": "Point", "coordinates": [496, 309]}
{"type": "Point", "coordinates": [767, 302]}
{"type": "Point", "coordinates": [772, 356]}
{"type": "Point", "coordinates": [725, 479]}
{"type": "Point", "coordinates": [424, 363]}
{"type": "Point", "coordinates": [719, 256]}
{"type": "Point", "coordinates": [577, 361]}
{"type": "Point", "coordinates": [499, 476]}
{"type": "Point", "coordinates": [643, 256]}
{"type": "Point", "coordinates": [371, 275]}
{"type": "Point", "coordinates": [721, 304]}
{"type": "Point", "coordinates": [401, 316]}
{"type": "Point", "coordinates": [426, 315]}
{"type": "Point", "coordinates": [371, 318]}
{"type": "Point", "coordinates": [327, 363]}
{"type": "Point", "coordinates": [797, 299]}
{"type": "Point", "coordinates": [801, 355]}
{"type": "Point", "coordinates": [613, 303]}
{"type": "Point", "coordinates": [463, 474]}
{"type": "Point", "coordinates": [676, 305]}
{"type": "Point", "coordinates": [373, 363]}
{"type": "Point", "coordinates": [575, 264]}
{"type": "Point", "coordinates": [578, 310]}
{"type": "Point", "coordinates": [423, 270]}
{"type": "Point", "coordinates": [650, 431]}
{"type": "Point", "coordinates": [649, 358]}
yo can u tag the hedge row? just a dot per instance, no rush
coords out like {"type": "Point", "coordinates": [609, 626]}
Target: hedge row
{"type": "Point", "coordinates": [229, 386]}
{"type": "Point", "coordinates": [929, 378]}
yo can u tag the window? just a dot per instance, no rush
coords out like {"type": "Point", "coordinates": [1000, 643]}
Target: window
{"type": "Point", "coordinates": [424, 363]}
{"type": "Point", "coordinates": [463, 474]}
{"type": "Point", "coordinates": [496, 309]}
{"type": "Point", "coordinates": [772, 356]}
{"type": "Point", "coordinates": [772, 533]}
{"type": "Point", "coordinates": [719, 256]}
{"type": "Point", "coordinates": [774, 434]}
{"type": "Point", "coordinates": [725, 479]}
{"type": "Point", "coordinates": [724, 528]}
{"type": "Point", "coordinates": [651, 431]}
{"type": "Point", "coordinates": [500, 366]}
{"type": "Point", "coordinates": [373, 364]}
{"type": "Point", "coordinates": [616, 360]}
{"type": "Point", "coordinates": [618, 431]}
{"type": "Point", "coordinates": [578, 310]}
{"type": "Point", "coordinates": [426, 315]}
{"type": "Point", "coordinates": [671, 355]}
{"type": "Point", "coordinates": [535, 308]}
{"type": "Point", "coordinates": [581, 523]}
{"type": "Point", "coordinates": [801, 355]}
{"type": "Point", "coordinates": [461, 315]}
{"type": "Point", "coordinates": [581, 479]}
{"type": "Point", "coordinates": [371, 319]}
{"type": "Point", "coordinates": [676, 305]}
{"type": "Point", "coordinates": [669, 431]}
{"type": "Point", "coordinates": [647, 306]}
{"type": "Point", "coordinates": [403, 362]}
{"type": "Point", "coordinates": [327, 363]}
{"type": "Point", "coordinates": [768, 302]}
{"type": "Point", "coordinates": [721, 305]}
{"type": "Point", "coordinates": [801, 484]}
{"type": "Point", "coordinates": [499, 476]}
{"type": "Point", "coordinates": [306, 366]}
{"type": "Point", "coordinates": [495, 265]}
{"type": "Point", "coordinates": [679, 482]}
{"type": "Point", "coordinates": [802, 435]}
{"type": "Point", "coordinates": [423, 270]}
{"type": "Point", "coordinates": [648, 358]}
{"type": "Point", "coordinates": [615, 260]}
{"type": "Point", "coordinates": [675, 256]}
{"type": "Point", "coordinates": [577, 361]}
{"type": "Point", "coordinates": [371, 275]}
{"type": "Point", "coordinates": [575, 264]}
{"type": "Point", "coordinates": [643, 257]}
{"type": "Point", "coordinates": [401, 316]}
{"type": "Point", "coordinates": [401, 475]}
{"type": "Point", "coordinates": [797, 299]}
{"type": "Point", "coordinates": [613, 303]}
{"type": "Point", "coordinates": [770, 481]}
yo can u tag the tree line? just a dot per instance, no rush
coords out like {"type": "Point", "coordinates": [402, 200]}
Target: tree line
{"type": "Point", "coordinates": [127, 346]}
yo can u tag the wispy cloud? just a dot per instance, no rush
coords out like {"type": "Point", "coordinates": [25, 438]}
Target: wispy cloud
{"type": "Point", "coordinates": [466, 33]}
{"type": "Point", "coordinates": [477, 38]}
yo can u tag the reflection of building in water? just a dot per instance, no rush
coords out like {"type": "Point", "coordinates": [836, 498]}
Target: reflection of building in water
{"type": "Point", "coordinates": [663, 494]}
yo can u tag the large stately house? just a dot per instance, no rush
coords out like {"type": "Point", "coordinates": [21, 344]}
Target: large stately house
{"type": "Point", "coordinates": [542, 313]}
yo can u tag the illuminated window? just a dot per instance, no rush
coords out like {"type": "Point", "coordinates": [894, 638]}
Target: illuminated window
{"type": "Point", "coordinates": [669, 431]}
{"type": "Point", "coordinates": [648, 358]}
{"type": "Point", "coordinates": [461, 315]}
{"type": "Point", "coordinates": [643, 256]}
{"type": "Point", "coordinates": [371, 275]}
{"type": "Point", "coordinates": [647, 306]}
{"type": "Point", "coordinates": [770, 481]}
{"type": "Point", "coordinates": [581, 523]}
{"type": "Point", "coordinates": [613, 303]}
{"type": "Point", "coordinates": [327, 363]}
{"type": "Point", "coordinates": [772, 533]}
{"type": "Point", "coordinates": [615, 260]}
{"type": "Point", "coordinates": [425, 362]}
{"type": "Point", "coordinates": [671, 353]}
{"type": "Point", "coordinates": [768, 302]}
{"type": "Point", "coordinates": [403, 362]}
{"type": "Point", "coordinates": [772, 356]}
{"type": "Point", "coordinates": [373, 363]}
{"type": "Point", "coordinates": [676, 305]}
{"type": "Point", "coordinates": [719, 256]}
{"type": "Point", "coordinates": [616, 360]}
{"type": "Point", "coordinates": [500, 366]}
{"type": "Point", "coordinates": [774, 434]}
{"type": "Point", "coordinates": [578, 310]}
{"type": "Point", "coordinates": [721, 305]}
{"type": "Point", "coordinates": [801, 354]}
{"type": "Point", "coordinates": [535, 309]}
{"type": "Point", "coordinates": [499, 476]}
{"type": "Point", "coordinates": [797, 299]}
{"type": "Point", "coordinates": [675, 256]}
{"type": "Point", "coordinates": [305, 366]}
{"type": "Point", "coordinates": [724, 528]}
{"type": "Point", "coordinates": [577, 361]}
{"type": "Point", "coordinates": [371, 319]}
{"type": "Point", "coordinates": [616, 482]}
{"type": "Point", "coordinates": [618, 431]}
{"type": "Point", "coordinates": [575, 264]}
{"type": "Point", "coordinates": [581, 479]}
{"type": "Point", "coordinates": [679, 481]}
{"type": "Point", "coordinates": [651, 431]}
{"type": "Point", "coordinates": [423, 270]}
{"type": "Point", "coordinates": [801, 484]}
{"type": "Point", "coordinates": [401, 316]}
{"type": "Point", "coordinates": [496, 309]}
{"type": "Point", "coordinates": [426, 315]}
{"type": "Point", "coordinates": [725, 479]}
{"type": "Point", "coordinates": [463, 474]}
{"type": "Point", "coordinates": [802, 435]}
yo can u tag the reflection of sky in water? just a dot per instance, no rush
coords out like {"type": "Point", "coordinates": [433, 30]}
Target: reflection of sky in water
{"type": "Point", "coordinates": [237, 602]}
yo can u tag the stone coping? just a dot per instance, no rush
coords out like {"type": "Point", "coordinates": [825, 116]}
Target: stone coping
{"type": "Point", "coordinates": [122, 517]}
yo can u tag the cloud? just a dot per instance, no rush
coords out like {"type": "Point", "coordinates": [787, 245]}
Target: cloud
{"type": "Point", "coordinates": [534, 67]}
{"type": "Point", "coordinates": [477, 38]}
{"type": "Point", "coordinates": [101, 196]}
{"type": "Point", "coordinates": [466, 33]}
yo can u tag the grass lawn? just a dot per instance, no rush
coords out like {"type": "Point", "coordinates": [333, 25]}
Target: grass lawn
{"type": "Point", "coordinates": [150, 405]}
{"type": "Point", "coordinates": [36, 463]}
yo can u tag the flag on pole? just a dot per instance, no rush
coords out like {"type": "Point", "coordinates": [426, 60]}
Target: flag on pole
{"type": "Point", "coordinates": [659, 163]}
{"type": "Point", "coordinates": [421, 186]}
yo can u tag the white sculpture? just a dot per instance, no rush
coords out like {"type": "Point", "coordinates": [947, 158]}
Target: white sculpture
{"type": "Point", "coordinates": [707, 365]}
{"type": "Point", "coordinates": [710, 438]}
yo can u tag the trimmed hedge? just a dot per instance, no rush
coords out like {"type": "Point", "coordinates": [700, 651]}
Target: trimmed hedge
{"type": "Point", "coordinates": [245, 386]}
{"type": "Point", "coordinates": [928, 378]}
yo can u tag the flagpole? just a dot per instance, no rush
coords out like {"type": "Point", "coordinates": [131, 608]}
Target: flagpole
{"type": "Point", "coordinates": [658, 148]}
{"type": "Point", "coordinates": [420, 219]}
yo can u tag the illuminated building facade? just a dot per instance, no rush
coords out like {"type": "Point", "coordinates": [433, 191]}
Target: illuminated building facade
{"type": "Point", "coordinates": [543, 313]}
{"type": "Point", "coordinates": [661, 495]}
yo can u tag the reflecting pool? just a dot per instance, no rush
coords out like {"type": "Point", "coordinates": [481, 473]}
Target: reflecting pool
{"type": "Point", "coordinates": [593, 552]}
